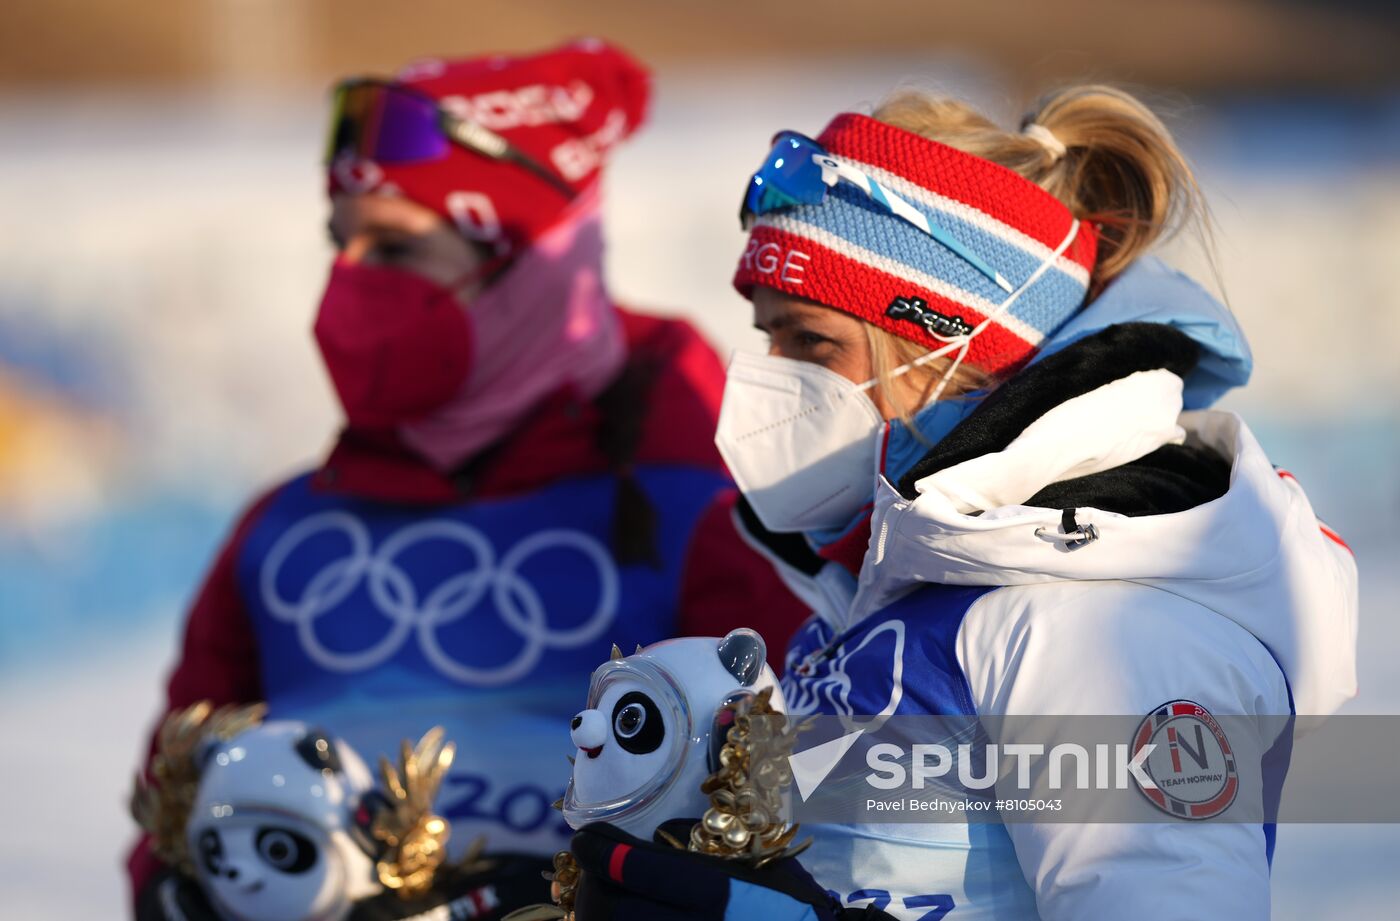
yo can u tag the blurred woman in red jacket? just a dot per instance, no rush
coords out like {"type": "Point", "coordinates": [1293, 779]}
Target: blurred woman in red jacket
{"type": "Point", "coordinates": [527, 474]}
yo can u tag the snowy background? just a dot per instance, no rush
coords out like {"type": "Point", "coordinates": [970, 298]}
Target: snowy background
{"type": "Point", "coordinates": [161, 256]}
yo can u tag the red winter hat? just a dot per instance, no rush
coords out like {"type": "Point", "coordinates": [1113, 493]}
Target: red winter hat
{"type": "Point", "coordinates": [849, 253]}
{"type": "Point", "coordinates": [563, 110]}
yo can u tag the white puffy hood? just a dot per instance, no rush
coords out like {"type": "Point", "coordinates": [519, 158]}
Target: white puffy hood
{"type": "Point", "coordinates": [1256, 555]}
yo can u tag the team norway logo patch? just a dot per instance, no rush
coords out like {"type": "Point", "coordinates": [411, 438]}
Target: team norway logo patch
{"type": "Point", "coordinates": [1191, 763]}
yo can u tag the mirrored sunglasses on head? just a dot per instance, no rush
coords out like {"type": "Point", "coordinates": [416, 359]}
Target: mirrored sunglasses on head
{"type": "Point", "coordinates": [799, 171]}
{"type": "Point", "coordinates": [395, 125]}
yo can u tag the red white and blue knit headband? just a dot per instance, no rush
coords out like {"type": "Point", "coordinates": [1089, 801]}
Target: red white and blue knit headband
{"type": "Point", "coordinates": [851, 254]}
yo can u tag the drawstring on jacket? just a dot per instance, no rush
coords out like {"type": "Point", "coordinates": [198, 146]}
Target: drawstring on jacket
{"type": "Point", "coordinates": [1072, 534]}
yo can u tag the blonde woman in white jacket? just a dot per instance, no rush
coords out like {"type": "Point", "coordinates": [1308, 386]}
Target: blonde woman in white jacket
{"type": "Point", "coordinates": [1048, 532]}
{"type": "Point", "coordinates": [980, 448]}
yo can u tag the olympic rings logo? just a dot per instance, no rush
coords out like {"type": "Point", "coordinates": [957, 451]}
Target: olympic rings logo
{"type": "Point", "coordinates": [393, 594]}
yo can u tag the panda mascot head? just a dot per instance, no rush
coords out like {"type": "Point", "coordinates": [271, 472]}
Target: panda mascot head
{"type": "Point", "coordinates": [654, 726]}
{"type": "Point", "coordinates": [279, 826]}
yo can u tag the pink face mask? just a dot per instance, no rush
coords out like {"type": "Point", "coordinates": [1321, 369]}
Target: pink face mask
{"type": "Point", "coordinates": [397, 345]}
{"type": "Point", "coordinates": [405, 352]}
{"type": "Point", "coordinates": [545, 325]}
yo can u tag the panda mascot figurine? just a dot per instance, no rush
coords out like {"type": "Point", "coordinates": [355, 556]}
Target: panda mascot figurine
{"type": "Point", "coordinates": [654, 725]}
{"type": "Point", "coordinates": [280, 821]}
{"type": "Point", "coordinates": [678, 792]}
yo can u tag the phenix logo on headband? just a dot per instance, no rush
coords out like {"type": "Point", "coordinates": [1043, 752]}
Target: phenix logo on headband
{"type": "Point", "coordinates": [895, 217]}
{"type": "Point", "coordinates": [916, 310]}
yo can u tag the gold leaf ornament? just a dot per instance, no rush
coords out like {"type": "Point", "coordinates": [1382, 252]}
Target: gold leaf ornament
{"type": "Point", "coordinates": [745, 821]}
{"type": "Point", "coordinates": [563, 885]}
{"type": "Point", "coordinates": [161, 805]}
{"type": "Point", "coordinates": [415, 836]}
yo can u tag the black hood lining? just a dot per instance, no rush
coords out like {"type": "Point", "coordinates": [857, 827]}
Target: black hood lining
{"type": "Point", "coordinates": [791, 549]}
{"type": "Point", "coordinates": [1173, 478]}
{"type": "Point", "coordinates": [1106, 356]}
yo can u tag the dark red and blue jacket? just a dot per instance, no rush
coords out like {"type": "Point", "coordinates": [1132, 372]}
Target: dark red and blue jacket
{"type": "Point", "coordinates": [377, 597]}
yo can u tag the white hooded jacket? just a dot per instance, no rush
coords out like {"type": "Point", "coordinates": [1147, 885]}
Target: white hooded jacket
{"type": "Point", "coordinates": [1257, 556]}
{"type": "Point", "coordinates": [1244, 604]}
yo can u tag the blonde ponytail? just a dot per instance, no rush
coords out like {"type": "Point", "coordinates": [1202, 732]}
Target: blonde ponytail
{"type": "Point", "coordinates": [1121, 170]}
{"type": "Point", "coordinates": [1098, 149]}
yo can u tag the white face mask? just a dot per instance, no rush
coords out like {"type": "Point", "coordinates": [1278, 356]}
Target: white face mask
{"type": "Point", "coordinates": [801, 441]}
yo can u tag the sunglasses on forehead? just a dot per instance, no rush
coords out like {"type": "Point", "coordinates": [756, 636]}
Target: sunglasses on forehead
{"type": "Point", "coordinates": [391, 124]}
{"type": "Point", "coordinates": [799, 171]}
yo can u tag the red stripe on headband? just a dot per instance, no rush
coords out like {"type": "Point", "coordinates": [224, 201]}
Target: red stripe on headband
{"type": "Point", "coordinates": [989, 187]}
{"type": "Point", "coordinates": [821, 274]}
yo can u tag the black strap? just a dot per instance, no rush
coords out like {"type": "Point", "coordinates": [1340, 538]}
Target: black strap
{"type": "Point", "coordinates": [791, 549]}
{"type": "Point", "coordinates": [623, 407]}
